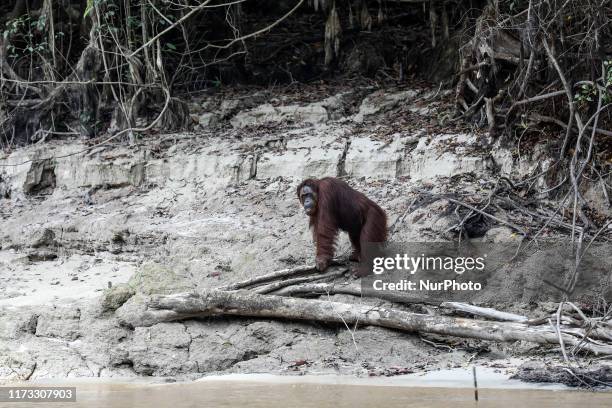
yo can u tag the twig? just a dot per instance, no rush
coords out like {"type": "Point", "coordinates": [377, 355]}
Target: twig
{"type": "Point", "coordinates": [543, 118]}
{"type": "Point", "coordinates": [509, 224]}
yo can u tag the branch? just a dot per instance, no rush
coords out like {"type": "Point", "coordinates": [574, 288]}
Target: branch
{"type": "Point", "coordinates": [289, 282]}
{"type": "Point", "coordinates": [169, 28]}
{"type": "Point", "coordinates": [283, 273]}
{"type": "Point", "coordinates": [570, 97]}
{"type": "Point", "coordinates": [485, 312]}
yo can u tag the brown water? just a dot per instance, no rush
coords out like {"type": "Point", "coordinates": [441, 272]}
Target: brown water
{"type": "Point", "coordinates": [304, 395]}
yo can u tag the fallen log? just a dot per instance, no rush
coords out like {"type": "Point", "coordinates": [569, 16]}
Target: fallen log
{"type": "Point", "coordinates": [145, 311]}
{"type": "Point", "coordinates": [598, 330]}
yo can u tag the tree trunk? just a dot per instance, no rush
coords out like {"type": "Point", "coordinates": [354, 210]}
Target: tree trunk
{"type": "Point", "coordinates": [150, 310]}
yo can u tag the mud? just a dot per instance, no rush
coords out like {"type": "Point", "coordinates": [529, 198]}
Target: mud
{"type": "Point", "coordinates": [81, 232]}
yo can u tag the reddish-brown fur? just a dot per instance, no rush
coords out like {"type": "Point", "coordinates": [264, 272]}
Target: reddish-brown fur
{"type": "Point", "coordinates": [340, 207]}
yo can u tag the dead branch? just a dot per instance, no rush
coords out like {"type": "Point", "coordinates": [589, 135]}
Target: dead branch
{"type": "Point", "coordinates": [335, 288]}
{"type": "Point", "coordinates": [284, 283]}
{"type": "Point", "coordinates": [283, 273]}
{"type": "Point", "coordinates": [537, 118]}
{"type": "Point", "coordinates": [570, 96]}
{"type": "Point", "coordinates": [320, 289]}
{"type": "Point", "coordinates": [485, 312]}
{"type": "Point", "coordinates": [145, 311]}
{"type": "Point", "coordinates": [509, 224]}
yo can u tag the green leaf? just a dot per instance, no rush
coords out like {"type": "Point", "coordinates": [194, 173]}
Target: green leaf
{"type": "Point", "coordinates": [90, 6]}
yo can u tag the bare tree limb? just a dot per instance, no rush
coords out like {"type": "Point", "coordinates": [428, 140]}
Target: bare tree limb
{"type": "Point", "coordinates": [283, 273]}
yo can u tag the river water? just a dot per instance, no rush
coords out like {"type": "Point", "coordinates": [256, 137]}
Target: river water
{"type": "Point", "coordinates": [303, 392]}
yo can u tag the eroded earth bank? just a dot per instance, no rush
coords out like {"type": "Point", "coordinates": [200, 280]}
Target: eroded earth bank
{"type": "Point", "coordinates": [86, 228]}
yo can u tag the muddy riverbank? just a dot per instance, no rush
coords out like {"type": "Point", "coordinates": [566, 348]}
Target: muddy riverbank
{"type": "Point", "coordinates": [82, 232]}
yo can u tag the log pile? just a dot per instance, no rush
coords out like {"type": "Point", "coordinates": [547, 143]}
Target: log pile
{"type": "Point", "coordinates": [569, 328]}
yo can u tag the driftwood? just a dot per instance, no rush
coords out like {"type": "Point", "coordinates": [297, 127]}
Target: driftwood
{"type": "Point", "coordinates": [335, 288]}
{"type": "Point", "coordinates": [149, 310]}
{"type": "Point", "coordinates": [284, 273]}
{"type": "Point", "coordinates": [320, 289]}
{"type": "Point", "coordinates": [485, 312]}
{"type": "Point", "coordinates": [282, 276]}
{"type": "Point", "coordinates": [294, 281]}
{"type": "Point", "coordinates": [597, 329]}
